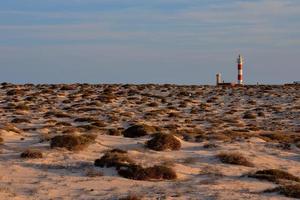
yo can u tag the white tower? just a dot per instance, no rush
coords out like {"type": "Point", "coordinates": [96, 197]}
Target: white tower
{"type": "Point", "coordinates": [218, 78]}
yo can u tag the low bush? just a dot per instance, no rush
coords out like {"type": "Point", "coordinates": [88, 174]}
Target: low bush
{"type": "Point", "coordinates": [84, 119]}
{"type": "Point", "coordinates": [32, 153]}
{"type": "Point", "coordinates": [274, 175]}
{"type": "Point", "coordinates": [127, 168]}
{"type": "Point", "coordinates": [280, 137]}
{"type": "Point", "coordinates": [152, 104]}
{"type": "Point", "coordinates": [132, 197]}
{"type": "Point", "coordinates": [210, 146]}
{"type": "Point", "coordinates": [139, 131]}
{"type": "Point", "coordinates": [234, 159]}
{"type": "Point", "coordinates": [22, 107]}
{"type": "Point", "coordinates": [114, 158]}
{"type": "Point", "coordinates": [162, 142]}
{"type": "Point", "coordinates": [114, 132]}
{"type": "Point", "coordinates": [249, 115]}
{"type": "Point", "coordinates": [290, 190]}
{"type": "Point", "coordinates": [20, 120]}
{"type": "Point", "coordinates": [72, 142]}
{"type": "Point", "coordinates": [156, 172]}
{"type": "Point", "coordinates": [93, 173]}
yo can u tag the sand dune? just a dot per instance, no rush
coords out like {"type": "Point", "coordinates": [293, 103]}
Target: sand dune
{"type": "Point", "coordinates": [261, 124]}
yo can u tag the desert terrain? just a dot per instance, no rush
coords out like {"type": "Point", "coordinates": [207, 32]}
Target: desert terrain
{"type": "Point", "coordinates": [113, 142]}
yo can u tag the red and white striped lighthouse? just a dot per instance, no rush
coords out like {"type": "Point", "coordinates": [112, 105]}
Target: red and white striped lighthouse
{"type": "Point", "coordinates": [240, 62]}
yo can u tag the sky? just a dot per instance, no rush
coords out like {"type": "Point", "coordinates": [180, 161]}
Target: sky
{"type": "Point", "coordinates": [150, 41]}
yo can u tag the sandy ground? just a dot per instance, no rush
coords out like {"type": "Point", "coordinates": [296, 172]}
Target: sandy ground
{"type": "Point", "coordinates": [63, 174]}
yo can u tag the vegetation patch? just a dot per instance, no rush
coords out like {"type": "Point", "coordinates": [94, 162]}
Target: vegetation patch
{"type": "Point", "coordinates": [139, 131]}
{"type": "Point", "coordinates": [132, 197]}
{"type": "Point", "coordinates": [162, 142]}
{"type": "Point", "coordinates": [114, 158]}
{"type": "Point", "coordinates": [93, 173]}
{"type": "Point", "coordinates": [32, 153]}
{"type": "Point", "coordinates": [280, 137]}
{"type": "Point", "coordinates": [114, 132]}
{"type": "Point", "coordinates": [72, 142]}
{"type": "Point", "coordinates": [234, 159]}
{"type": "Point", "coordinates": [249, 115]}
{"type": "Point", "coordinates": [20, 120]}
{"type": "Point", "coordinates": [288, 189]}
{"type": "Point", "coordinates": [274, 175]}
{"type": "Point", "coordinates": [127, 168]}
{"type": "Point", "coordinates": [157, 172]}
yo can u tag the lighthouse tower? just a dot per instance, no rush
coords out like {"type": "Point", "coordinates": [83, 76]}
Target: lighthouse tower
{"type": "Point", "coordinates": [240, 62]}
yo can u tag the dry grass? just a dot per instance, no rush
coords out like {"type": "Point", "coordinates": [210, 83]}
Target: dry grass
{"type": "Point", "coordinates": [210, 146]}
{"type": "Point", "coordinates": [32, 153]}
{"type": "Point", "coordinates": [114, 158]}
{"type": "Point", "coordinates": [288, 189]}
{"type": "Point", "coordinates": [234, 158]}
{"type": "Point", "coordinates": [72, 142]}
{"type": "Point", "coordinates": [131, 197]}
{"type": "Point", "coordinates": [20, 120]}
{"type": "Point", "coordinates": [139, 131]}
{"type": "Point", "coordinates": [280, 137]}
{"type": "Point", "coordinates": [156, 172]}
{"type": "Point", "coordinates": [93, 173]}
{"type": "Point", "coordinates": [249, 115]}
{"type": "Point", "coordinates": [274, 175]}
{"type": "Point", "coordinates": [127, 168]}
{"type": "Point", "coordinates": [162, 142]}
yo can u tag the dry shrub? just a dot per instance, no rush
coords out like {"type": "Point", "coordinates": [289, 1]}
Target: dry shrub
{"type": "Point", "coordinates": [114, 132]}
{"type": "Point", "coordinates": [93, 173]}
{"type": "Point", "coordinates": [114, 158]}
{"type": "Point", "coordinates": [280, 137]}
{"type": "Point", "coordinates": [22, 107]}
{"type": "Point", "coordinates": [288, 190]}
{"type": "Point", "coordinates": [72, 142]}
{"type": "Point", "coordinates": [63, 124]}
{"type": "Point", "coordinates": [128, 169]}
{"type": "Point", "coordinates": [14, 92]}
{"type": "Point", "coordinates": [212, 136]}
{"type": "Point", "coordinates": [132, 197]}
{"type": "Point", "coordinates": [174, 115]}
{"type": "Point", "coordinates": [261, 114]}
{"type": "Point", "coordinates": [194, 111]}
{"type": "Point", "coordinates": [190, 160]}
{"type": "Point", "coordinates": [234, 158]}
{"type": "Point", "coordinates": [210, 146]}
{"type": "Point", "coordinates": [20, 120]}
{"type": "Point", "coordinates": [162, 142]}
{"type": "Point", "coordinates": [274, 175]}
{"type": "Point", "coordinates": [249, 115]}
{"type": "Point", "coordinates": [88, 127]}
{"type": "Point", "coordinates": [152, 104]}
{"type": "Point", "coordinates": [32, 153]}
{"type": "Point", "coordinates": [84, 119]}
{"type": "Point", "coordinates": [9, 127]}
{"type": "Point", "coordinates": [139, 131]}
{"type": "Point", "coordinates": [58, 114]}
{"type": "Point", "coordinates": [156, 172]}
{"type": "Point", "coordinates": [99, 123]}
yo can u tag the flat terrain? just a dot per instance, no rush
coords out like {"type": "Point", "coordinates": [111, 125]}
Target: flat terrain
{"type": "Point", "coordinates": [259, 124]}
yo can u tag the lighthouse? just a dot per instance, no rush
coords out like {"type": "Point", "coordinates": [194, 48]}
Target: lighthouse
{"type": "Point", "coordinates": [240, 62]}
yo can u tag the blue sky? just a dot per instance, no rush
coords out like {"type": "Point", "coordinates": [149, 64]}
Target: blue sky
{"type": "Point", "coordinates": [159, 41]}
